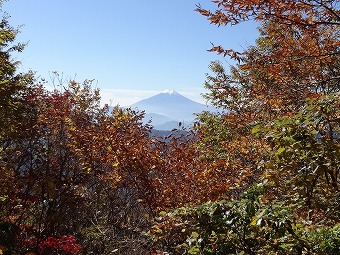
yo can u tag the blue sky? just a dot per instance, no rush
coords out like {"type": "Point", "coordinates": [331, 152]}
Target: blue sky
{"type": "Point", "coordinates": [132, 48]}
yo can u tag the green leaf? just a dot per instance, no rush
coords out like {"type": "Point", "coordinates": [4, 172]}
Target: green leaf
{"type": "Point", "coordinates": [250, 209]}
{"type": "Point", "coordinates": [3, 198]}
{"type": "Point", "coordinates": [162, 213]}
{"type": "Point", "coordinates": [194, 234]}
{"type": "Point", "coordinates": [280, 150]}
{"type": "Point", "coordinates": [194, 250]}
{"type": "Point", "coordinates": [257, 129]}
{"type": "Point", "coordinates": [254, 221]}
{"type": "Point", "coordinates": [288, 140]}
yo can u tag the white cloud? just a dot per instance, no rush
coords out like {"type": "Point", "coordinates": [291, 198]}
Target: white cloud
{"type": "Point", "coordinates": [125, 97]}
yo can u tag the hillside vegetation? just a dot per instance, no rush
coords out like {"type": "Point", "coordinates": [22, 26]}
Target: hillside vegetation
{"type": "Point", "coordinates": [261, 178]}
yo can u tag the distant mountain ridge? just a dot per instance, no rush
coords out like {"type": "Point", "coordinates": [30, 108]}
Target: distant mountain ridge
{"type": "Point", "coordinates": [167, 109]}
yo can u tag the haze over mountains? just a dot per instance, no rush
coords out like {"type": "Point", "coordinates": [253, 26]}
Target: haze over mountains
{"type": "Point", "coordinates": [167, 109]}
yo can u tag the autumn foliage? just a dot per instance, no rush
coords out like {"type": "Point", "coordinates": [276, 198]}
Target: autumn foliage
{"type": "Point", "coordinates": [275, 142]}
{"type": "Point", "coordinates": [259, 177]}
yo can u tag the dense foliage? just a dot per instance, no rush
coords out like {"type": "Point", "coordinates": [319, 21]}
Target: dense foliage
{"type": "Point", "coordinates": [260, 177]}
{"type": "Point", "coordinates": [276, 142]}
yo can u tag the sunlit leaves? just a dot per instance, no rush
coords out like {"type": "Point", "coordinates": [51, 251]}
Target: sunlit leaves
{"type": "Point", "coordinates": [279, 124]}
{"type": "Point", "coordinates": [305, 157]}
{"type": "Point", "coordinates": [296, 55]}
{"type": "Point", "coordinates": [69, 153]}
{"type": "Point", "coordinates": [247, 226]}
{"type": "Point", "coordinates": [301, 12]}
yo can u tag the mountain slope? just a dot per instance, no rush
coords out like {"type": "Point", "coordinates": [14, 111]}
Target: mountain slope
{"type": "Point", "coordinates": [172, 105]}
{"type": "Point", "coordinates": [156, 119]}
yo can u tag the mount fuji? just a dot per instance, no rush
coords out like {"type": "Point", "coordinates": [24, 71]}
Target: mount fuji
{"type": "Point", "coordinates": [167, 109]}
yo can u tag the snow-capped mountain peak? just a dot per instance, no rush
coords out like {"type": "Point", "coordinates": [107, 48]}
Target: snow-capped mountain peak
{"type": "Point", "coordinates": [170, 92]}
{"type": "Point", "coordinates": [170, 106]}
